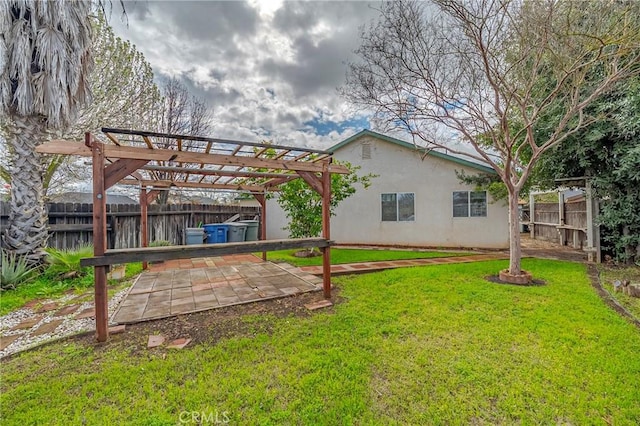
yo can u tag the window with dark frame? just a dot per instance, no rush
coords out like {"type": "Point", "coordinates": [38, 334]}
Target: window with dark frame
{"type": "Point", "coordinates": [398, 207]}
{"type": "Point", "coordinates": [469, 203]}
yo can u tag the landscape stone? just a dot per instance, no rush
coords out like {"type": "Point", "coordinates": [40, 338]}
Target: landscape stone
{"type": "Point", "coordinates": [318, 305]}
{"type": "Point", "coordinates": [155, 340]}
{"type": "Point", "coordinates": [47, 327]}
{"type": "Point", "coordinates": [179, 343]}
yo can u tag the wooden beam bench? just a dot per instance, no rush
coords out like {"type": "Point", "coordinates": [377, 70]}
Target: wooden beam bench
{"type": "Point", "coordinates": [155, 254]}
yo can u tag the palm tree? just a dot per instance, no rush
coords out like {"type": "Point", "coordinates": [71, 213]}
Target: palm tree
{"type": "Point", "coordinates": [45, 58]}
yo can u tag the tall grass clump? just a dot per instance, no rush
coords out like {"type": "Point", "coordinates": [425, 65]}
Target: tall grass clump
{"type": "Point", "coordinates": [67, 262]}
{"type": "Point", "coordinates": [15, 270]}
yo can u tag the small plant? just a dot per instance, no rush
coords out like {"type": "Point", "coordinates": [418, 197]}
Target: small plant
{"type": "Point", "coordinates": [159, 243]}
{"type": "Point", "coordinates": [15, 270]}
{"type": "Point", "coordinates": [67, 262]}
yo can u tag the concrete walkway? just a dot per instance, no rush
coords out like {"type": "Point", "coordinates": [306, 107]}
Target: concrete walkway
{"type": "Point", "coordinates": [362, 267]}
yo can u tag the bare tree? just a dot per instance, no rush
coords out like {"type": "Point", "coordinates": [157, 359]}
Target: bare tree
{"type": "Point", "coordinates": [491, 70]}
{"type": "Point", "coordinates": [182, 114]}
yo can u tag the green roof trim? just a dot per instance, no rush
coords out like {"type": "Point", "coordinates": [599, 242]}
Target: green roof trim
{"type": "Point", "coordinates": [404, 144]}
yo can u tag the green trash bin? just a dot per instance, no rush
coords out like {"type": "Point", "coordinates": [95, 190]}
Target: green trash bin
{"type": "Point", "coordinates": [251, 234]}
{"type": "Point", "coordinates": [236, 232]}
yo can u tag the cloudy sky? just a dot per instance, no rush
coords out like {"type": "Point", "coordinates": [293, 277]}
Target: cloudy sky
{"type": "Point", "coordinates": [269, 69]}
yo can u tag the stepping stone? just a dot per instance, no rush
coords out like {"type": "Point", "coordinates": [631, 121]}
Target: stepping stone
{"type": "Point", "coordinates": [155, 340]}
{"type": "Point", "coordinates": [28, 323]}
{"type": "Point", "coordinates": [5, 341]}
{"type": "Point", "coordinates": [47, 328]}
{"type": "Point", "coordinates": [47, 307]}
{"type": "Point", "coordinates": [87, 313]}
{"type": "Point", "coordinates": [117, 329]}
{"type": "Point", "coordinates": [318, 305]}
{"type": "Point", "coordinates": [67, 310]}
{"type": "Point", "coordinates": [178, 343]}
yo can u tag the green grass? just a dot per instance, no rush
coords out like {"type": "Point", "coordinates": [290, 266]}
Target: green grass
{"type": "Point", "coordinates": [430, 345]}
{"type": "Point", "coordinates": [342, 256]}
{"type": "Point", "coordinates": [49, 285]}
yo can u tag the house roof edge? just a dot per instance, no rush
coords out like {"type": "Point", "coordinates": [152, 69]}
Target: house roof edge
{"type": "Point", "coordinates": [405, 144]}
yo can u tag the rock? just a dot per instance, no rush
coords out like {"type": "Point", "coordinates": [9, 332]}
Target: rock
{"type": "Point", "coordinates": [617, 286]}
{"type": "Point", "coordinates": [633, 290]}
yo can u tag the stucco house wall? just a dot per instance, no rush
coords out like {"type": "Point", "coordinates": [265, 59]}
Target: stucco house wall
{"type": "Point", "coordinates": [400, 169]}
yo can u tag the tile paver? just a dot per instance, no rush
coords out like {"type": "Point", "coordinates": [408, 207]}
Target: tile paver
{"type": "Point", "coordinates": [67, 310]}
{"type": "Point", "coordinates": [48, 327]}
{"type": "Point", "coordinates": [5, 341]}
{"type": "Point", "coordinates": [28, 323]}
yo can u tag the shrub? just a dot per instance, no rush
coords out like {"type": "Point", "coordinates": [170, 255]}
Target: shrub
{"type": "Point", "coordinates": [159, 243]}
{"type": "Point", "coordinates": [15, 271]}
{"type": "Point", "coordinates": [67, 262]}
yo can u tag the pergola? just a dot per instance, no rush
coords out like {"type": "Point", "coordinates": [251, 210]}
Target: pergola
{"type": "Point", "coordinates": [158, 162]}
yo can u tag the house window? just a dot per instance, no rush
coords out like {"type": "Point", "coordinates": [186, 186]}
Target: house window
{"type": "Point", "coordinates": [469, 204]}
{"type": "Point", "coordinates": [366, 151]}
{"type": "Point", "coordinates": [398, 207]}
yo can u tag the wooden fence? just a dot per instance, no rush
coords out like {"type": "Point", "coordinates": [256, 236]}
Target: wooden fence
{"type": "Point", "coordinates": [70, 224]}
{"type": "Point", "coordinates": [571, 230]}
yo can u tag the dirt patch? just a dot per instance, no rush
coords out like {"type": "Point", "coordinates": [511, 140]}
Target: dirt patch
{"type": "Point", "coordinates": [209, 327]}
{"type": "Point", "coordinates": [496, 279]}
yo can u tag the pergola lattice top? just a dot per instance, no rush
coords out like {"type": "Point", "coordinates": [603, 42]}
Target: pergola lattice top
{"type": "Point", "coordinates": [160, 160]}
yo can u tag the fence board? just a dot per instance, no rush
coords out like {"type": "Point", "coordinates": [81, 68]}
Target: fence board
{"type": "Point", "coordinates": [547, 216]}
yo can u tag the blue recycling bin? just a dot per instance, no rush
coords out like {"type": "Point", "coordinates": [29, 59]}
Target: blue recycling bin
{"type": "Point", "coordinates": [216, 232]}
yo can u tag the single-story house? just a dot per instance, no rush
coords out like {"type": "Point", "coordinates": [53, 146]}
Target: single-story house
{"type": "Point", "coordinates": [414, 201]}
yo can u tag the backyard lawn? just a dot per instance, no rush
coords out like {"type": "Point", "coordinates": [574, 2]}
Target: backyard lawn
{"type": "Point", "coordinates": [427, 345]}
{"type": "Point", "coordinates": [342, 256]}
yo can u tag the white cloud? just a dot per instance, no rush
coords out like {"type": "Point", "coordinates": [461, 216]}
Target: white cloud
{"type": "Point", "coordinates": [265, 67]}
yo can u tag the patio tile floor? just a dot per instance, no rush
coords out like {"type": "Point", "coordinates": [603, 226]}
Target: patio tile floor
{"type": "Point", "coordinates": [185, 286]}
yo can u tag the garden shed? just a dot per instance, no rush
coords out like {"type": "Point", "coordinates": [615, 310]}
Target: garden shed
{"type": "Point", "coordinates": [157, 162]}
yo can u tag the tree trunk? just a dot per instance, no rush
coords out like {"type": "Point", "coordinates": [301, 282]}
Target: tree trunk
{"type": "Point", "coordinates": [515, 250]}
{"type": "Point", "coordinates": [26, 233]}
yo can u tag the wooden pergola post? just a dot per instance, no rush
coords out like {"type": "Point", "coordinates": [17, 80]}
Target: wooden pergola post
{"type": "Point", "coordinates": [99, 237]}
{"type": "Point", "coordinates": [326, 230]}
{"type": "Point", "coordinates": [262, 199]}
{"type": "Point", "coordinates": [146, 198]}
{"type": "Point", "coordinates": [144, 232]}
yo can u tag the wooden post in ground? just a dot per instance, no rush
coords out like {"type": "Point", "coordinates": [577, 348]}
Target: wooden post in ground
{"type": "Point", "coordinates": [593, 229]}
{"type": "Point", "coordinates": [101, 300]}
{"type": "Point", "coordinates": [144, 235]}
{"type": "Point", "coordinates": [532, 216]}
{"type": "Point", "coordinates": [326, 230]}
{"type": "Point", "coordinates": [262, 199]}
